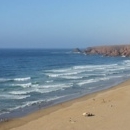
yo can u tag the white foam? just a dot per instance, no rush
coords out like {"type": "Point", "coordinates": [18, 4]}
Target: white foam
{"type": "Point", "coordinates": [87, 82]}
{"type": "Point", "coordinates": [83, 82]}
{"type": "Point", "coordinates": [22, 79]}
{"type": "Point", "coordinates": [25, 104]}
{"type": "Point", "coordinates": [18, 92]}
{"type": "Point", "coordinates": [51, 88]}
{"type": "Point", "coordinates": [93, 66]}
{"type": "Point", "coordinates": [9, 96]}
{"type": "Point", "coordinates": [53, 75]}
{"type": "Point", "coordinates": [78, 72]}
{"type": "Point", "coordinates": [94, 74]}
{"type": "Point", "coordinates": [30, 103]}
{"type": "Point", "coordinates": [15, 79]}
{"type": "Point", "coordinates": [1, 113]}
{"type": "Point", "coordinates": [71, 77]}
{"type": "Point", "coordinates": [23, 85]}
{"type": "Point", "coordinates": [41, 89]}
{"type": "Point", "coordinates": [49, 81]}
{"type": "Point", "coordinates": [82, 67]}
{"type": "Point", "coordinates": [54, 98]}
{"type": "Point", "coordinates": [22, 92]}
{"type": "Point", "coordinates": [45, 90]}
{"type": "Point", "coordinates": [59, 70]}
{"type": "Point", "coordinates": [117, 76]}
{"type": "Point", "coordinates": [117, 68]}
{"type": "Point", "coordinates": [56, 86]}
{"type": "Point", "coordinates": [25, 91]}
{"type": "Point", "coordinates": [61, 74]}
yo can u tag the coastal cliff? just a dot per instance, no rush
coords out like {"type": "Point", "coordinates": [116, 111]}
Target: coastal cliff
{"type": "Point", "coordinates": [115, 50]}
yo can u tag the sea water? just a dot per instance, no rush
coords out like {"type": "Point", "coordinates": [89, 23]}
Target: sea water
{"type": "Point", "coordinates": [35, 78]}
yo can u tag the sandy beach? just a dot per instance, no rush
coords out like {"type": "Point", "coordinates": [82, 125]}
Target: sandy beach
{"type": "Point", "coordinates": [105, 110]}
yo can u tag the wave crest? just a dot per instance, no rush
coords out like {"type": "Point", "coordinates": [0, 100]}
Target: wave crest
{"type": "Point", "coordinates": [22, 79]}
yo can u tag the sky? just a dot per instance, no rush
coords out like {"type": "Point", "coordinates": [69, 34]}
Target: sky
{"type": "Point", "coordinates": [63, 23]}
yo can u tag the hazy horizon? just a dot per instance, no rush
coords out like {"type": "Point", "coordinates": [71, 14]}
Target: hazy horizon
{"type": "Point", "coordinates": [63, 24]}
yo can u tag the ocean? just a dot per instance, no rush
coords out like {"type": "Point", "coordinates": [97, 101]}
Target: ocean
{"type": "Point", "coordinates": [32, 79]}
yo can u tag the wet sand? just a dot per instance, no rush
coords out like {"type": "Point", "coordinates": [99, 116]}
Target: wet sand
{"type": "Point", "coordinates": [104, 110]}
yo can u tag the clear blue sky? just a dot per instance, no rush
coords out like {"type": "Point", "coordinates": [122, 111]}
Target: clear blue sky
{"type": "Point", "coordinates": [63, 23]}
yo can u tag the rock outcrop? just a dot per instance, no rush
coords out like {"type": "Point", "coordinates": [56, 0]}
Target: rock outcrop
{"type": "Point", "coordinates": [77, 50]}
{"type": "Point", "coordinates": [116, 50]}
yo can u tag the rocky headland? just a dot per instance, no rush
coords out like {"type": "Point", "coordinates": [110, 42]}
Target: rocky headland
{"type": "Point", "coordinates": [114, 50]}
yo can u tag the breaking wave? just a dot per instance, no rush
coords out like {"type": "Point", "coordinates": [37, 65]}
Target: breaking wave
{"type": "Point", "coordinates": [22, 79]}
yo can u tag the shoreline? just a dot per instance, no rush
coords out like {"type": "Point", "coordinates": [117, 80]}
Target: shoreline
{"type": "Point", "coordinates": [27, 121]}
{"type": "Point", "coordinates": [27, 110]}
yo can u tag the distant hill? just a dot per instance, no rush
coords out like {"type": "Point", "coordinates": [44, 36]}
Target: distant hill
{"type": "Point", "coordinates": [114, 50]}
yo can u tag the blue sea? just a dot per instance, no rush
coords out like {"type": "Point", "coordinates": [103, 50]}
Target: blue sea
{"type": "Point", "coordinates": [31, 79]}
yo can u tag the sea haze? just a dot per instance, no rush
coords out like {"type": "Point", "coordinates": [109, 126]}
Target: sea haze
{"type": "Point", "coordinates": [31, 79]}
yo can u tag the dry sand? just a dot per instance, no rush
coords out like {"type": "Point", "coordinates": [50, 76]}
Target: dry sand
{"type": "Point", "coordinates": [111, 110]}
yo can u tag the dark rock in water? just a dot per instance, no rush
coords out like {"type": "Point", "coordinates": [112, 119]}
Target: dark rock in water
{"type": "Point", "coordinates": [115, 50]}
{"type": "Point", "coordinates": [77, 50]}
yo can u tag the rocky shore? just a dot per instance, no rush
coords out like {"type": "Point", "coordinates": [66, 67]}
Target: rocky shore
{"type": "Point", "coordinates": [114, 50]}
